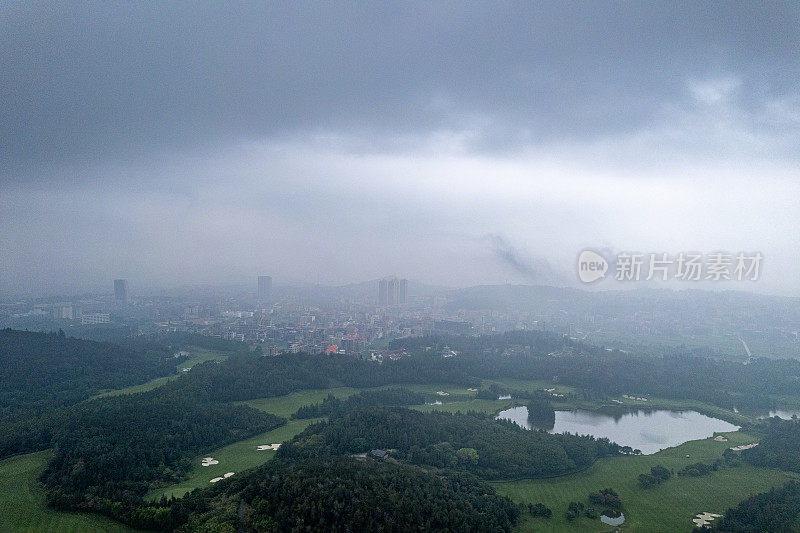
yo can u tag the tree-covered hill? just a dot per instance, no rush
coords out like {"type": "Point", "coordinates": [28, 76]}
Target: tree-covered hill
{"type": "Point", "coordinates": [42, 370]}
{"type": "Point", "coordinates": [471, 442]}
{"type": "Point", "coordinates": [342, 494]}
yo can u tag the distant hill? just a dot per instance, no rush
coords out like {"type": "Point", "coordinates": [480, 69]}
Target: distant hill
{"type": "Point", "coordinates": [648, 317]}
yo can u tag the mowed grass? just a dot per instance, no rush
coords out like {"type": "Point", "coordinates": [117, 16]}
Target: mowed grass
{"type": "Point", "coordinates": [529, 385]}
{"type": "Point", "coordinates": [464, 406]}
{"type": "Point", "coordinates": [244, 454]}
{"type": "Point", "coordinates": [235, 457]}
{"type": "Point", "coordinates": [432, 389]}
{"type": "Point", "coordinates": [668, 507]}
{"type": "Point", "coordinates": [197, 356]}
{"type": "Point", "coordinates": [23, 507]}
{"type": "Point", "coordinates": [287, 405]}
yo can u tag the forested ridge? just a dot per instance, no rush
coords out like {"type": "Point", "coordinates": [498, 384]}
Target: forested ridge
{"type": "Point", "coordinates": [775, 511]}
{"type": "Point", "coordinates": [343, 494]}
{"type": "Point", "coordinates": [119, 448]}
{"type": "Point", "coordinates": [538, 355]}
{"type": "Point", "coordinates": [44, 370]}
{"type": "Point", "coordinates": [780, 446]}
{"type": "Point", "coordinates": [334, 407]}
{"type": "Point", "coordinates": [492, 449]}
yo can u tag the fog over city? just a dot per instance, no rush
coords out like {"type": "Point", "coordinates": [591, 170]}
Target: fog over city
{"type": "Point", "coordinates": [451, 143]}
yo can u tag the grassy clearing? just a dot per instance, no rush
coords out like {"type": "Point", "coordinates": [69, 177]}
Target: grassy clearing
{"type": "Point", "coordinates": [235, 457]}
{"type": "Point", "coordinates": [529, 385]}
{"type": "Point", "coordinates": [198, 355]}
{"type": "Point", "coordinates": [668, 507]}
{"type": "Point", "coordinates": [432, 389]}
{"type": "Point", "coordinates": [464, 406]}
{"type": "Point", "coordinates": [22, 502]}
{"type": "Point", "coordinates": [289, 404]}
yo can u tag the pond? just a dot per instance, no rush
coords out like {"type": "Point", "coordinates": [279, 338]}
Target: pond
{"type": "Point", "coordinates": [646, 430]}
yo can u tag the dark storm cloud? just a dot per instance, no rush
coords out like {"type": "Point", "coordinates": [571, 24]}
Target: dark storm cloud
{"type": "Point", "coordinates": [83, 83]}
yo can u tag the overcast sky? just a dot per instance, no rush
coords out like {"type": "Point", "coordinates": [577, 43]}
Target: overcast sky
{"type": "Point", "coordinates": [453, 143]}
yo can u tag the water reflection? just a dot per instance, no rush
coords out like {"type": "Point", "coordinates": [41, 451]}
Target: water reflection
{"type": "Point", "coordinates": [647, 430]}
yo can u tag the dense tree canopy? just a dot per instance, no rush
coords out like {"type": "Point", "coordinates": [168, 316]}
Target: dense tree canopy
{"type": "Point", "coordinates": [332, 406]}
{"type": "Point", "coordinates": [780, 446]}
{"type": "Point", "coordinates": [343, 494]}
{"type": "Point", "coordinates": [503, 449]}
{"type": "Point", "coordinates": [45, 370]}
{"type": "Point", "coordinates": [775, 511]}
{"type": "Point", "coordinates": [115, 449]}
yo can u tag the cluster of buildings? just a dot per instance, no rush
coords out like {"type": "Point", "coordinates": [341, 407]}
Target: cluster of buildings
{"type": "Point", "coordinates": [392, 291]}
{"type": "Point", "coordinates": [363, 321]}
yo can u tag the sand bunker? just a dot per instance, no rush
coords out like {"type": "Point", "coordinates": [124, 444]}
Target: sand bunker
{"type": "Point", "coordinates": [473, 390]}
{"type": "Point", "coordinates": [208, 461]}
{"type": "Point", "coordinates": [703, 519]}
{"type": "Point", "coordinates": [227, 475]}
{"type": "Point", "coordinates": [217, 479]}
{"type": "Point", "coordinates": [720, 438]}
{"type": "Point", "coordinates": [263, 447]}
{"type": "Point", "coordinates": [629, 397]}
{"type": "Point", "coordinates": [744, 447]}
{"type": "Point", "coordinates": [442, 393]}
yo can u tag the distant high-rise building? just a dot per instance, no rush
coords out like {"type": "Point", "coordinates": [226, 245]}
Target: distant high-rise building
{"type": "Point", "coordinates": [383, 292]}
{"type": "Point", "coordinates": [403, 296]}
{"type": "Point", "coordinates": [392, 291]}
{"type": "Point", "coordinates": [264, 288]}
{"type": "Point", "coordinates": [63, 311]}
{"type": "Point", "coordinates": [121, 291]}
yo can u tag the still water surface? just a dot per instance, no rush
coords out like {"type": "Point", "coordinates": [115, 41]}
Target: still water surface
{"type": "Point", "coordinates": [646, 430]}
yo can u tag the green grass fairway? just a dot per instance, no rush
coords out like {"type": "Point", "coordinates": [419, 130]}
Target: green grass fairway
{"type": "Point", "coordinates": [22, 502]}
{"type": "Point", "coordinates": [198, 355]}
{"type": "Point", "coordinates": [455, 392]}
{"type": "Point", "coordinates": [287, 405]}
{"type": "Point", "coordinates": [668, 507]}
{"type": "Point", "coordinates": [235, 457]}
{"type": "Point", "coordinates": [529, 385]}
{"type": "Point", "coordinates": [464, 406]}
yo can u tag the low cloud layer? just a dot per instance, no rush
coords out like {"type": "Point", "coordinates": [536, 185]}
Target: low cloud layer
{"type": "Point", "coordinates": [332, 143]}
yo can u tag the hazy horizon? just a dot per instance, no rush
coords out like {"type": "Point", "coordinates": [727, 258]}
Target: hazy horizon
{"type": "Point", "coordinates": [456, 144]}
